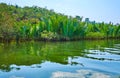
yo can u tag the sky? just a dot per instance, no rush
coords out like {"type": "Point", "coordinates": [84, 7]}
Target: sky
{"type": "Point", "coordinates": [98, 10]}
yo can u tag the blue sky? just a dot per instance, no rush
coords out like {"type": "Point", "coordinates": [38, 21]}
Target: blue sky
{"type": "Point", "coordinates": [98, 10]}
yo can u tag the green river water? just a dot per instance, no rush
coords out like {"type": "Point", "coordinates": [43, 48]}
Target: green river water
{"type": "Point", "coordinates": [76, 59]}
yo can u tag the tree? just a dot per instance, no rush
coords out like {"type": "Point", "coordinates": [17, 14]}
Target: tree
{"type": "Point", "coordinates": [79, 18]}
{"type": "Point", "coordinates": [7, 28]}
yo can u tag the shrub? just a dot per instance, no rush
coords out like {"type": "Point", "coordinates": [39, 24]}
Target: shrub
{"type": "Point", "coordinates": [48, 35]}
{"type": "Point", "coordinates": [95, 35]}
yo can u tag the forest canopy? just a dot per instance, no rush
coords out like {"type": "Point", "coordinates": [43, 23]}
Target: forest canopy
{"type": "Point", "coordinates": [36, 23]}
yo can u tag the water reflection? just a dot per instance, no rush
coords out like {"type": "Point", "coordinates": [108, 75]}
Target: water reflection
{"type": "Point", "coordinates": [15, 77]}
{"type": "Point", "coordinates": [34, 54]}
{"type": "Point", "coordinates": [79, 74]}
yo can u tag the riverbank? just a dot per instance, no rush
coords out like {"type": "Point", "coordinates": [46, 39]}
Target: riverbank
{"type": "Point", "coordinates": [58, 40]}
{"type": "Point", "coordinates": [40, 24]}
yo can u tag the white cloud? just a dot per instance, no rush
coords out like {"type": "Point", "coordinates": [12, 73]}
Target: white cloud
{"type": "Point", "coordinates": [79, 74]}
{"type": "Point", "coordinates": [16, 77]}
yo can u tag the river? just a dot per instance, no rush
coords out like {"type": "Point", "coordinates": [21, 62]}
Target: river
{"type": "Point", "coordinates": [76, 59]}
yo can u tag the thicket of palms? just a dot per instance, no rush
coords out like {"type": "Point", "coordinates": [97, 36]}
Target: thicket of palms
{"type": "Point", "coordinates": [40, 23]}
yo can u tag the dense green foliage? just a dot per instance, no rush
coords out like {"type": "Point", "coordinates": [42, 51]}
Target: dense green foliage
{"type": "Point", "coordinates": [42, 24]}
